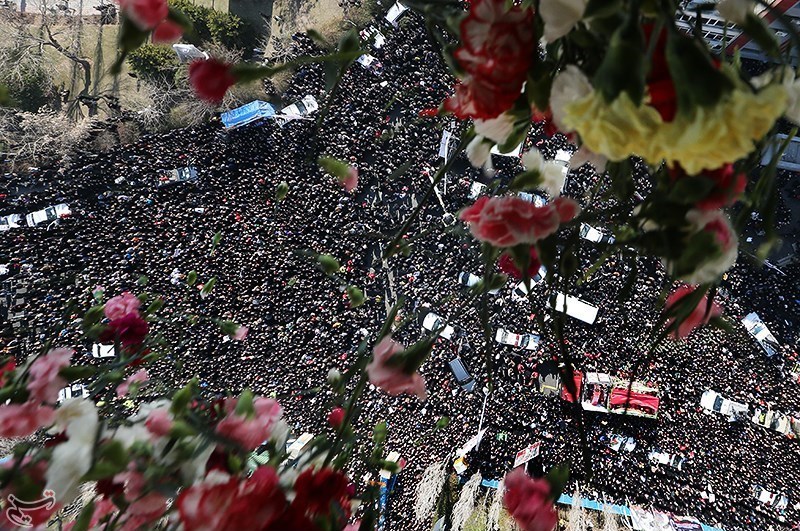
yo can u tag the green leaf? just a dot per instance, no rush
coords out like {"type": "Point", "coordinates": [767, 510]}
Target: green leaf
{"type": "Point", "coordinates": [442, 423]}
{"type": "Point", "coordinates": [623, 69]}
{"type": "Point", "coordinates": [688, 190]}
{"type": "Point", "coordinates": [756, 28]}
{"type": "Point", "coordinates": [281, 190]}
{"type": "Point", "coordinates": [215, 241]}
{"type": "Point", "coordinates": [191, 278]}
{"type": "Point", "coordinates": [602, 8]}
{"type": "Point", "coordinates": [182, 397]}
{"type": "Point", "coordinates": [77, 372]}
{"type": "Point", "coordinates": [379, 432]}
{"type": "Point", "coordinates": [355, 296]}
{"type": "Point", "coordinates": [143, 279]}
{"type": "Point", "coordinates": [526, 180]}
{"type": "Point", "coordinates": [244, 406]}
{"type": "Point", "coordinates": [85, 518]}
{"type": "Point", "coordinates": [557, 477]}
{"type": "Point", "coordinates": [156, 305]}
{"type": "Point", "coordinates": [697, 81]}
{"type": "Point", "coordinates": [335, 167]}
{"type": "Point", "coordinates": [228, 327]}
{"type": "Point", "coordinates": [328, 264]}
{"type": "Point", "coordinates": [208, 286]}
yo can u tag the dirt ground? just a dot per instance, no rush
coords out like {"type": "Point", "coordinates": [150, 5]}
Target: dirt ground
{"type": "Point", "coordinates": [291, 16]}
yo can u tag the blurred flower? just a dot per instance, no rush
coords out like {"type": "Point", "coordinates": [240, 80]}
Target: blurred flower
{"type": "Point", "coordinates": [73, 458]}
{"type": "Point", "coordinates": [387, 373]}
{"type": "Point", "coordinates": [336, 417]}
{"type": "Point", "coordinates": [211, 79]}
{"type": "Point", "coordinates": [44, 382]}
{"type": "Point", "coordinates": [495, 54]}
{"type": "Point", "coordinates": [249, 432]}
{"type": "Point", "coordinates": [509, 267]}
{"type": "Point", "coordinates": [569, 85]}
{"type": "Point", "coordinates": [350, 182]}
{"type": "Point", "coordinates": [715, 261]}
{"type": "Point", "coordinates": [140, 377]}
{"type": "Point", "coordinates": [560, 16]}
{"type": "Point", "coordinates": [495, 129]}
{"type": "Point", "coordinates": [240, 334]}
{"type": "Point", "coordinates": [167, 32]}
{"type": "Point", "coordinates": [735, 11]}
{"type": "Point", "coordinates": [552, 173]}
{"type": "Point", "coordinates": [701, 314]}
{"type": "Point", "coordinates": [706, 138]}
{"type": "Point", "coordinates": [528, 501]}
{"type": "Point", "coordinates": [321, 493]}
{"type": "Point", "coordinates": [130, 330]}
{"type": "Point", "coordinates": [159, 422]}
{"type": "Point", "coordinates": [146, 14]}
{"type": "Point", "coordinates": [122, 305]}
{"type": "Point", "coordinates": [20, 420]}
{"type": "Point", "coordinates": [728, 186]}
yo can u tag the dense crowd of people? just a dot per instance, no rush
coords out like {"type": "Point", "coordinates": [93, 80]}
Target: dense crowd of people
{"type": "Point", "coordinates": [124, 225]}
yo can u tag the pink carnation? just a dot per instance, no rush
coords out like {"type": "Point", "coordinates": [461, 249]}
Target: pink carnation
{"type": "Point", "coordinates": [507, 221]}
{"type": "Point", "coordinates": [528, 501]}
{"type": "Point", "coordinates": [137, 377]}
{"type": "Point", "coordinates": [350, 182]}
{"type": "Point", "coordinates": [250, 432]}
{"type": "Point", "coordinates": [167, 32]}
{"type": "Point", "coordinates": [240, 333]}
{"type": "Point", "coordinates": [20, 420]}
{"type": "Point", "coordinates": [389, 377]}
{"type": "Point", "coordinates": [159, 422]}
{"type": "Point", "coordinates": [44, 382]}
{"type": "Point", "coordinates": [121, 305]}
{"type": "Point", "coordinates": [700, 315]}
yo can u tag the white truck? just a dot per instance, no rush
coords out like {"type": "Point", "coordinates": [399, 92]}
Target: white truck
{"type": "Point", "coordinates": [50, 213]}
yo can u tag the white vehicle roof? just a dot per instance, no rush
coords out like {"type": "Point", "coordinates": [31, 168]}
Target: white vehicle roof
{"type": "Point", "coordinates": [756, 327]}
{"type": "Point", "coordinates": [521, 291]}
{"type": "Point", "coordinates": [470, 280]}
{"type": "Point", "coordinates": [366, 60]}
{"type": "Point", "coordinates": [713, 401]}
{"type": "Point", "coordinates": [514, 152]}
{"type": "Point", "coordinates": [298, 444]}
{"type": "Point", "coordinates": [102, 351]}
{"type": "Point", "coordinates": [526, 341]}
{"type": "Point", "coordinates": [3, 269]}
{"type": "Point", "coordinates": [307, 105]}
{"type": "Point", "coordinates": [476, 189]}
{"type": "Point", "coordinates": [598, 378]}
{"type": "Point", "coordinates": [72, 391]}
{"type": "Point", "coordinates": [590, 233]}
{"type": "Point", "coordinates": [395, 12]}
{"type": "Point", "coordinates": [375, 37]}
{"type": "Point", "coordinates": [432, 321]}
{"type": "Point", "coordinates": [393, 457]}
{"type": "Point", "coordinates": [575, 308]}
{"type": "Point", "coordinates": [564, 156]}
{"type": "Point", "coordinates": [47, 214]}
{"type": "Point", "coordinates": [10, 221]}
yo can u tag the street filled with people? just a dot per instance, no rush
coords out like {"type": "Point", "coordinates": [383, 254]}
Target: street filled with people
{"type": "Point", "coordinates": [126, 222]}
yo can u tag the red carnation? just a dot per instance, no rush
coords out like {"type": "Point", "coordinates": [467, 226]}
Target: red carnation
{"type": "Point", "coordinates": [509, 267]}
{"type": "Point", "coordinates": [497, 48]}
{"type": "Point", "coordinates": [211, 79]}
{"type": "Point", "coordinates": [659, 81]}
{"type": "Point", "coordinates": [130, 330]}
{"type": "Point", "coordinates": [146, 14]}
{"type": "Point", "coordinates": [317, 490]}
{"type": "Point", "coordinates": [167, 32]}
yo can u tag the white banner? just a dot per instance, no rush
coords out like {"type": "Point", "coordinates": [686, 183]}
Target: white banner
{"type": "Point", "coordinates": [526, 454]}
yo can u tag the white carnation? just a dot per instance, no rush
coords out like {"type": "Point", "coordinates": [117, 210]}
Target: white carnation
{"type": "Point", "coordinates": [570, 85]}
{"type": "Point", "coordinates": [560, 16]}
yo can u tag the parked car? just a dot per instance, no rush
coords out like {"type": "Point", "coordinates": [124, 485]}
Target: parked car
{"type": "Point", "coordinates": [432, 322]}
{"type": "Point", "coordinates": [50, 213]}
{"type": "Point", "coordinates": [461, 374]}
{"type": "Point", "coordinates": [521, 291]}
{"type": "Point", "coordinates": [102, 351]}
{"type": "Point", "coordinates": [308, 105]}
{"type": "Point", "coordinates": [469, 280]}
{"type": "Point", "coordinates": [592, 234]}
{"type": "Point", "coordinates": [11, 221]}
{"type": "Point", "coordinates": [526, 341]}
{"type": "Point", "coordinates": [72, 391]}
{"type": "Point", "coordinates": [370, 63]}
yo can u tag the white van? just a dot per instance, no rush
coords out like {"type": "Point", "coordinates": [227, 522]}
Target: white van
{"type": "Point", "coordinates": [395, 12]}
{"type": "Point", "coordinates": [470, 280]}
{"type": "Point", "coordinates": [575, 307]}
{"type": "Point", "coordinates": [592, 234]}
{"type": "Point", "coordinates": [433, 322]}
{"type": "Point", "coordinates": [50, 213]}
{"type": "Point", "coordinates": [308, 105]}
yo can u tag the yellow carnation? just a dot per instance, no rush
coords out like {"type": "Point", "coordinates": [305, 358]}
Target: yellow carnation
{"type": "Point", "coordinates": [707, 138]}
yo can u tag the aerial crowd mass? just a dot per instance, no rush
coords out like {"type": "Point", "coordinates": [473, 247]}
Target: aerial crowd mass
{"type": "Point", "coordinates": [125, 223]}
